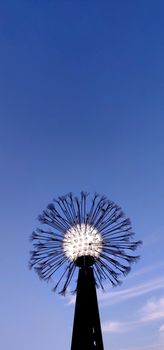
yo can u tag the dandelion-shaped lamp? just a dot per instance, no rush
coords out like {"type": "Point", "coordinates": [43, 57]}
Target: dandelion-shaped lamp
{"type": "Point", "coordinates": [93, 236]}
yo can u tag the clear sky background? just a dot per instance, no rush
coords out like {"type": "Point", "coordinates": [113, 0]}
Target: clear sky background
{"type": "Point", "coordinates": [81, 108]}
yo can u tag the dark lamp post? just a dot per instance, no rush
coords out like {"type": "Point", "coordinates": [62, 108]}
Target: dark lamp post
{"type": "Point", "coordinates": [93, 236]}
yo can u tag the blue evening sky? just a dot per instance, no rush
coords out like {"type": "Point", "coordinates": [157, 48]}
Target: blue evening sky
{"type": "Point", "coordinates": [81, 107]}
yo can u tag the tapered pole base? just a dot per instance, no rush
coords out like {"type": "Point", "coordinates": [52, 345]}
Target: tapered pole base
{"type": "Point", "coordinates": [86, 329]}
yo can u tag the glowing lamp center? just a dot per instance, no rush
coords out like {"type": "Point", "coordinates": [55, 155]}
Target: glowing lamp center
{"type": "Point", "coordinates": [82, 240]}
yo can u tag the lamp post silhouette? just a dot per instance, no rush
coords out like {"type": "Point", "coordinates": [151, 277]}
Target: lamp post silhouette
{"type": "Point", "coordinates": [93, 236]}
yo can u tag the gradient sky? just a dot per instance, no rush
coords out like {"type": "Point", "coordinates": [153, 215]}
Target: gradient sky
{"type": "Point", "coordinates": [81, 107]}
